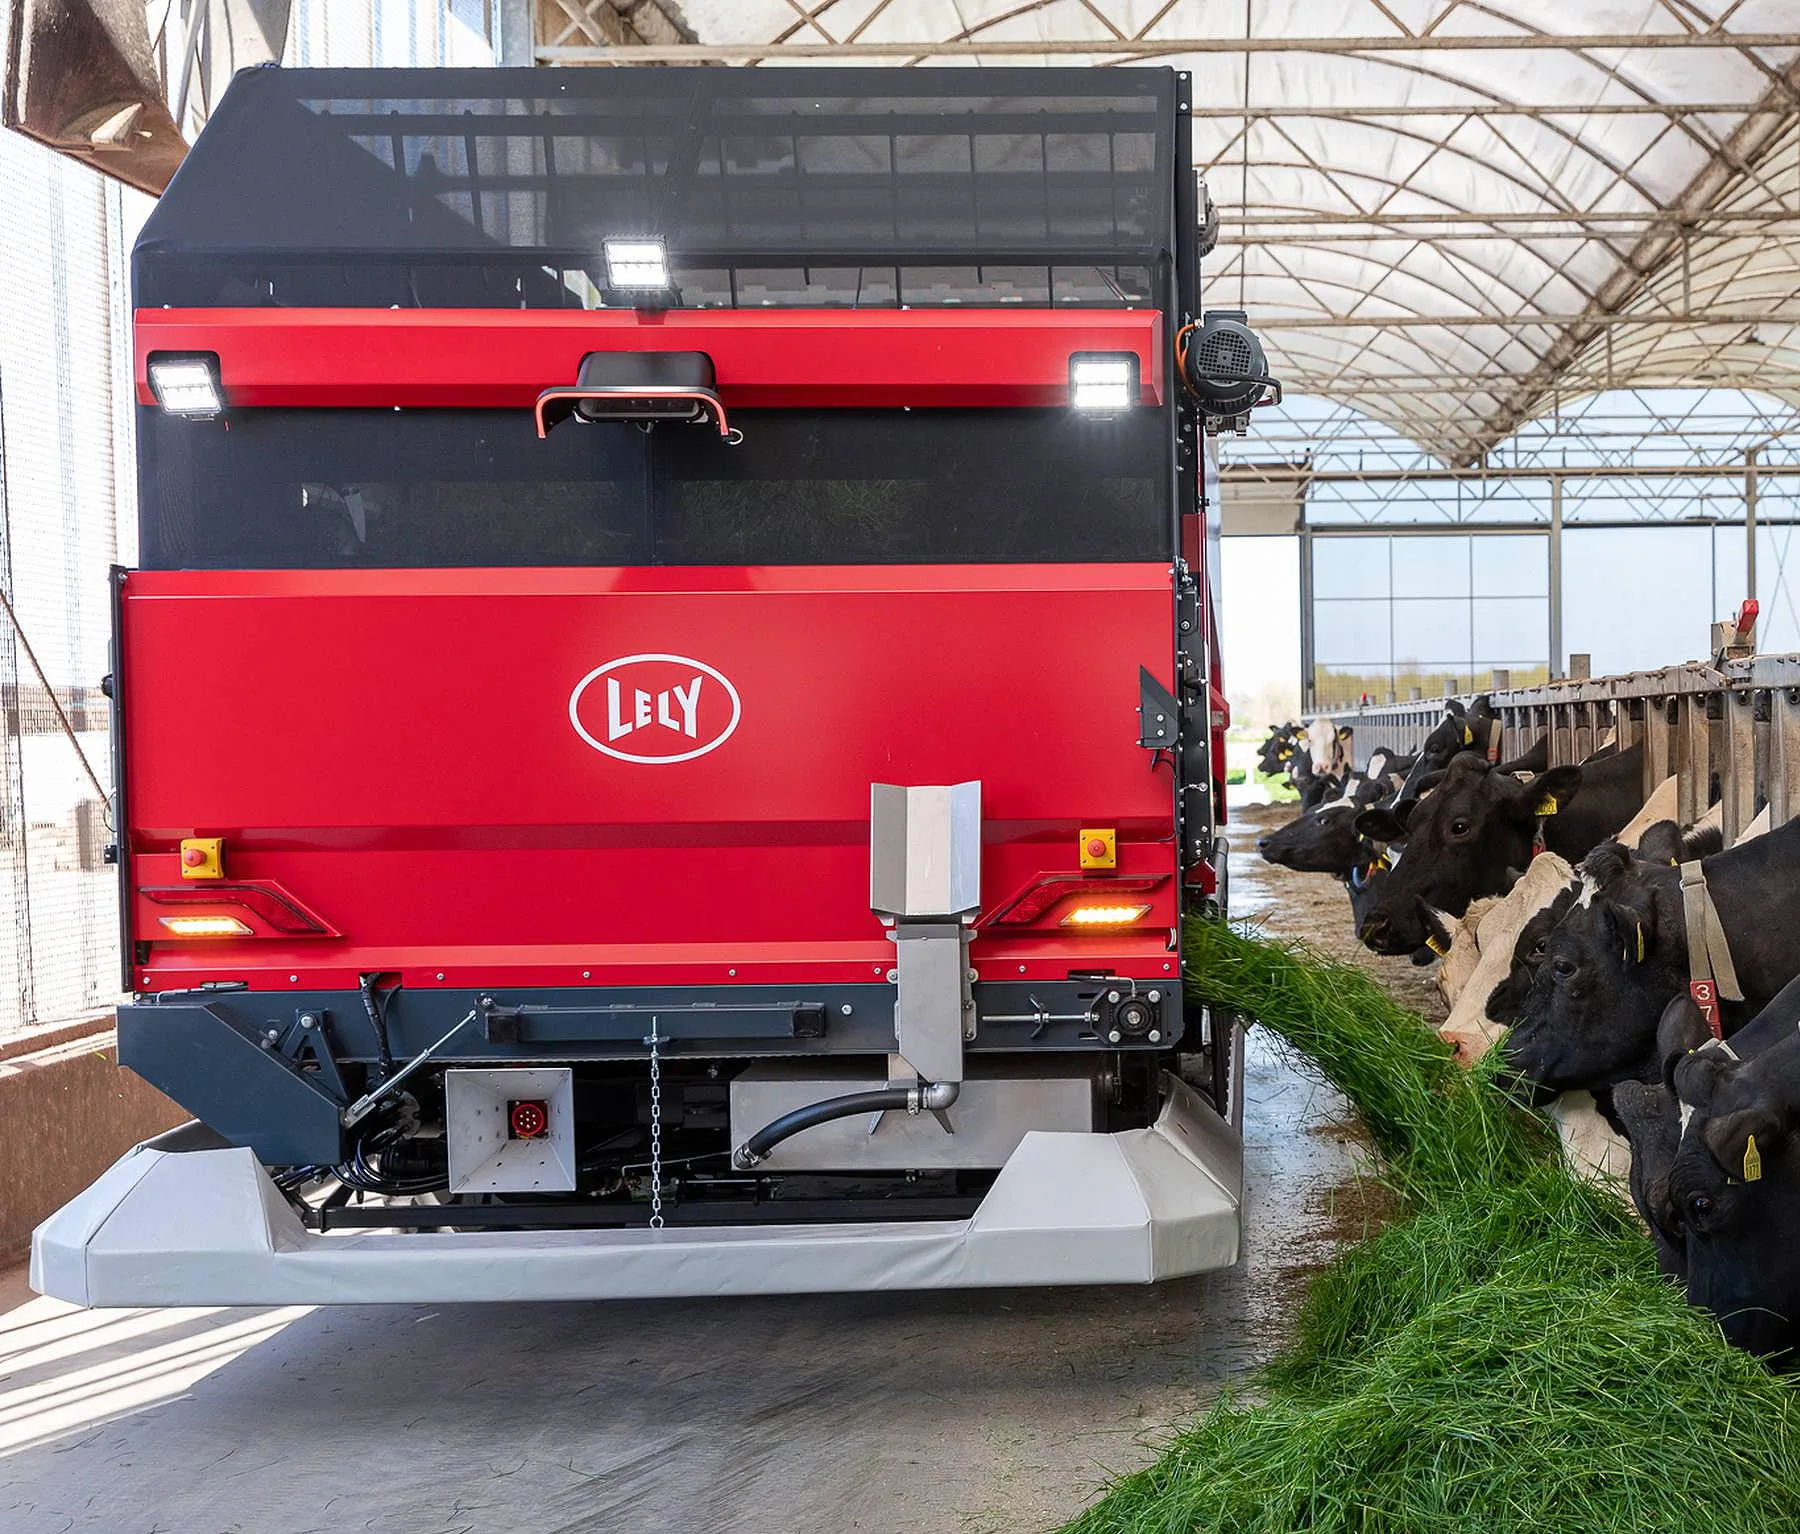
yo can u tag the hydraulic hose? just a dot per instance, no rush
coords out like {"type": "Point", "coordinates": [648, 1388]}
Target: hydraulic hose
{"type": "Point", "coordinates": [928, 1094]}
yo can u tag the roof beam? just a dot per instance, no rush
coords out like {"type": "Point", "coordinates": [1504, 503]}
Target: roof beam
{"type": "Point", "coordinates": [1693, 317]}
{"type": "Point", "coordinates": [1276, 474]}
{"type": "Point", "coordinates": [1734, 161]}
{"type": "Point", "coordinates": [1143, 48]}
{"type": "Point", "coordinates": [1482, 109]}
{"type": "Point", "coordinates": [608, 24]}
{"type": "Point", "coordinates": [1686, 218]}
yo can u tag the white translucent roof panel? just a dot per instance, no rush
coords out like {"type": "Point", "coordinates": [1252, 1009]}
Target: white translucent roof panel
{"type": "Point", "coordinates": [1453, 215]}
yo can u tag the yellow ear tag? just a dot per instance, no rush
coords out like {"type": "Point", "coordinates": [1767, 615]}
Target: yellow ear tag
{"type": "Point", "coordinates": [1468, 736]}
{"type": "Point", "coordinates": [1546, 805]}
{"type": "Point", "coordinates": [1435, 944]}
{"type": "Point", "coordinates": [1752, 1161]}
{"type": "Point", "coordinates": [1640, 931]}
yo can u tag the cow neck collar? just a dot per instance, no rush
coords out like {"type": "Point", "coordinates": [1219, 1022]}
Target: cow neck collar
{"type": "Point", "coordinates": [1712, 976]}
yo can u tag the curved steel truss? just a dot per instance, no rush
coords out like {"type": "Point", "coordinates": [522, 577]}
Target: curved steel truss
{"type": "Point", "coordinates": [1454, 215]}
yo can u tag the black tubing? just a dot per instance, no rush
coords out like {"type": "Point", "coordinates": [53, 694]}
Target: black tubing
{"type": "Point", "coordinates": [788, 1125]}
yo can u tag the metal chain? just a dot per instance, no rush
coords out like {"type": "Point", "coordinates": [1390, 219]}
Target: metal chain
{"type": "Point", "coordinates": [656, 1215]}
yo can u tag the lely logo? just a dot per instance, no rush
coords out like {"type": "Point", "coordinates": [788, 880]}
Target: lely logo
{"type": "Point", "coordinates": [654, 709]}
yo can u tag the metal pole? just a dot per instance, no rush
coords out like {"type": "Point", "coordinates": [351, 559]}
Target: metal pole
{"type": "Point", "coordinates": [1307, 701]}
{"type": "Point", "coordinates": [1750, 521]}
{"type": "Point", "coordinates": [1556, 527]}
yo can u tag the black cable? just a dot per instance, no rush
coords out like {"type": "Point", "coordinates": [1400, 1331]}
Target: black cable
{"type": "Point", "coordinates": [378, 1017]}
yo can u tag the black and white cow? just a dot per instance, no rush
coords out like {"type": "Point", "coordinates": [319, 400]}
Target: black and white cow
{"type": "Point", "coordinates": [1611, 967]}
{"type": "Point", "coordinates": [1474, 833]}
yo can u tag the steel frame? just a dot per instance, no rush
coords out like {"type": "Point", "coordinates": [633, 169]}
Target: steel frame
{"type": "Point", "coordinates": [1454, 292]}
{"type": "Point", "coordinates": [1728, 733]}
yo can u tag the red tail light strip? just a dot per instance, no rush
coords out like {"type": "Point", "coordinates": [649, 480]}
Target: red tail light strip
{"type": "Point", "coordinates": [1043, 894]}
{"type": "Point", "coordinates": [273, 907]}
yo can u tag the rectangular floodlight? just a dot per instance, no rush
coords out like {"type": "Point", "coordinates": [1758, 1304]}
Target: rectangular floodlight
{"type": "Point", "coordinates": [637, 264]}
{"type": "Point", "coordinates": [1102, 381]}
{"type": "Point", "coordinates": [187, 386]}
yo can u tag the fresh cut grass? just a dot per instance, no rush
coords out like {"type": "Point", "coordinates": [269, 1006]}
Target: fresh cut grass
{"type": "Point", "coordinates": [1505, 1357]}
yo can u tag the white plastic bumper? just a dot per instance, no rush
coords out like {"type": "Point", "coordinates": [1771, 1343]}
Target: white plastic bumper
{"type": "Point", "coordinates": [207, 1227]}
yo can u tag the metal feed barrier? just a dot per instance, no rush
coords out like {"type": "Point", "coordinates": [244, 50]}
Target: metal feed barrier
{"type": "Point", "coordinates": [1729, 732]}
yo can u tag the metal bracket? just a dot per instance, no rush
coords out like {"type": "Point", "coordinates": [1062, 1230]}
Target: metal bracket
{"type": "Point", "coordinates": [1159, 720]}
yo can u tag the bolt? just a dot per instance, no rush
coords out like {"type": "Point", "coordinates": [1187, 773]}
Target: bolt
{"type": "Point", "coordinates": [846, 1009]}
{"type": "Point", "coordinates": [440, 974]}
{"type": "Point", "coordinates": [307, 1020]}
{"type": "Point", "coordinates": [1114, 1036]}
{"type": "Point", "coordinates": [1153, 996]}
{"type": "Point", "coordinates": [295, 979]}
{"type": "Point", "coordinates": [587, 974]}
{"type": "Point", "coordinates": [1185, 625]}
{"type": "Point", "coordinates": [974, 974]}
{"type": "Point", "coordinates": [1021, 969]}
{"type": "Point", "coordinates": [1113, 997]}
{"type": "Point", "coordinates": [1155, 1036]}
{"type": "Point", "coordinates": [272, 1034]}
{"type": "Point", "coordinates": [1166, 968]}
{"type": "Point", "coordinates": [893, 977]}
{"type": "Point", "coordinates": [732, 973]}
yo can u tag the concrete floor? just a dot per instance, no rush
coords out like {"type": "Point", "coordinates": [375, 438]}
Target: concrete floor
{"type": "Point", "coordinates": [983, 1411]}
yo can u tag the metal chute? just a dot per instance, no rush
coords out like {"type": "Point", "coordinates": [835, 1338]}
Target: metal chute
{"type": "Point", "coordinates": [114, 83]}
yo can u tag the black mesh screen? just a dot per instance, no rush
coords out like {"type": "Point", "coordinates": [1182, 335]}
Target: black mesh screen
{"type": "Point", "coordinates": [447, 187]}
{"type": "Point", "coordinates": [371, 489]}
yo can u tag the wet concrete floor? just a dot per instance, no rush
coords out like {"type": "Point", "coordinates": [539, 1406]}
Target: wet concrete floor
{"type": "Point", "coordinates": [976, 1411]}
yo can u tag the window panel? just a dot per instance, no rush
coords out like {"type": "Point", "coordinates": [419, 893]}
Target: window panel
{"type": "Point", "coordinates": [1350, 567]}
{"type": "Point", "coordinates": [1431, 567]}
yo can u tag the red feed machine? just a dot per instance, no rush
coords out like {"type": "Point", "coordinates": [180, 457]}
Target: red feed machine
{"type": "Point", "coordinates": [666, 723]}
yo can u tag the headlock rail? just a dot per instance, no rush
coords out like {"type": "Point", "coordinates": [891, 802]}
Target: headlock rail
{"type": "Point", "coordinates": [1728, 732]}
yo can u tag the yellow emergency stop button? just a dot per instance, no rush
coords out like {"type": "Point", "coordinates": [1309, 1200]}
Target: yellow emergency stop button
{"type": "Point", "coordinates": [203, 857]}
{"type": "Point", "coordinates": [1099, 849]}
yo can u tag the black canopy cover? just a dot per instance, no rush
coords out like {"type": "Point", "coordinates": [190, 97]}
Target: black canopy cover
{"type": "Point", "coordinates": [498, 187]}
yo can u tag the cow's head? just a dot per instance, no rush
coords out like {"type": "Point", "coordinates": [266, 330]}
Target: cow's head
{"type": "Point", "coordinates": [1735, 1188]}
{"type": "Point", "coordinates": [1471, 836]}
{"type": "Point", "coordinates": [1507, 999]}
{"type": "Point", "coordinates": [1606, 972]}
{"type": "Point", "coordinates": [1460, 730]}
{"type": "Point", "coordinates": [1325, 840]}
{"type": "Point", "coordinates": [1278, 750]}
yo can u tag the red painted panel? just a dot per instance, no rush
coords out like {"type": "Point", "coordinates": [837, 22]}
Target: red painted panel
{"type": "Point", "coordinates": [799, 358]}
{"type": "Point", "coordinates": [653, 775]}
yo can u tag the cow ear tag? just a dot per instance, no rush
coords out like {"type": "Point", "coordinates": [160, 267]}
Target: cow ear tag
{"type": "Point", "coordinates": [1468, 736]}
{"type": "Point", "coordinates": [1640, 933]}
{"type": "Point", "coordinates": [1546, 805]}
{"type": "Point", "coordinates": [1752, 1161]}
{"type": "Point", "coordinates": [1435, 944]}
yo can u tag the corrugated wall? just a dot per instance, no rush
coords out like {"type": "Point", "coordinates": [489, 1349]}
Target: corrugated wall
{"type": "Point", "coordinates": [66, 513]}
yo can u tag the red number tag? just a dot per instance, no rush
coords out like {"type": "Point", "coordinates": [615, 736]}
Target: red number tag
{"type": "Point", "coordinates": [1706, 998]}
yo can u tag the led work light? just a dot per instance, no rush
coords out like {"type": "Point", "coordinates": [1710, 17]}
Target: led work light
{"type": "Point", "coordinates": [187, 386]}
{"type": "Point", "coordinates": [640, 265]}
{"type": "Point", "coordinates": [1102, 381]}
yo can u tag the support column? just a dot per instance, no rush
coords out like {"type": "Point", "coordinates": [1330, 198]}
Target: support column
{"type": "Point", "coordinates": [1556, 623]}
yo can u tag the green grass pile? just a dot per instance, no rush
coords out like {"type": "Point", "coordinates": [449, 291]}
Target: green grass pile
{"type": "Point", "coordinates": [1503, 1358]}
